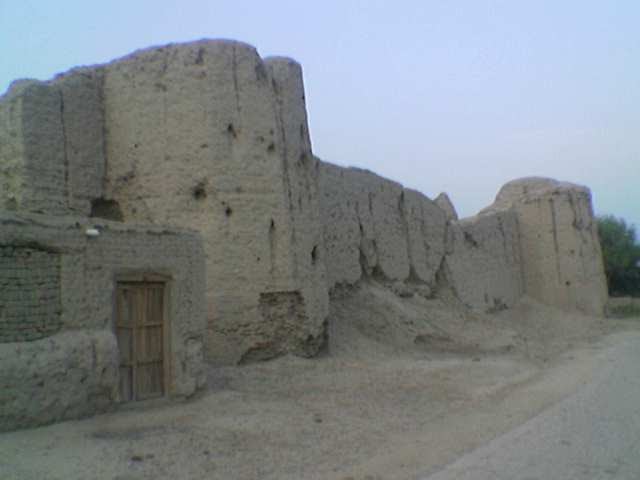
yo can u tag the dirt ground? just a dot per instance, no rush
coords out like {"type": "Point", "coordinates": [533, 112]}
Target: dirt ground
{"type": "Point", "coordinates": [406, 385]}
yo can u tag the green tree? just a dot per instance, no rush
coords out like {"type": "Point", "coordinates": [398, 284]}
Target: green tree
{"type": "Point", "coordinates": [621, 254]}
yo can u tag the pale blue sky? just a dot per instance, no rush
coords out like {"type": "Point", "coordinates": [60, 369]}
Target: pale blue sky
{"type": "Point", "coordinates": [439, 95]}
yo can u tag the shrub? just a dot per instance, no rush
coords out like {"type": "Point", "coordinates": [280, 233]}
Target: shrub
{"type": "Point", "coordinates": [621, 255]}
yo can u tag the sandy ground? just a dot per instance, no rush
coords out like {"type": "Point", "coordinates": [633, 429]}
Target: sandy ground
{"type": "Point", "coordinates": [407, 385]}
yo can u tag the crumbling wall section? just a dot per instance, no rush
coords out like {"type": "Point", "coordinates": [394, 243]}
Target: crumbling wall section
{"type": "Point", "coordinates": [51, 144]}
{"type": "Point", "coordinates": [32, 166]}
{"type": "Point", "coordinates": [83, 128]}
{"type": "Point", "coordinates": [301, 188]}
{"type": "Point", "coordinates": [426, 228]}
{"type": "Point", "coordinates": [561, 255]}
{"type": "Point", "coordinates": [373, 226]}
{"type": "Point", "coordinates": [484, 265]}
{"type": "Point", "coordinates": [445, 203]}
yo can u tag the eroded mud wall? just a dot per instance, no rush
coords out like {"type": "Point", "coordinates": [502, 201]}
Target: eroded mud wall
{"type": "Point", "coordinates": [209, 136]}
{"type": "Point", "coordinates": [83, 128]}
{"type": "Point", "coordinates": [483, 265]}
{"type": "Point", "coordinates": [373, 226]}
{"type": "Point", "coordinates": [51, 144]}
{"type": "Point", "coordinates": [561, 257]}
{"type": "Point", "coordinates": [32, 177]}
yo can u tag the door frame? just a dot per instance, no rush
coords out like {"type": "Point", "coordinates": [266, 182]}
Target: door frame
{"type": "Point", "coordinates": [167, 364]}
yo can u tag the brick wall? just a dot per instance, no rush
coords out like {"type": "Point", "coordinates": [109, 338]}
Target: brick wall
{"type": "Point", "coordinates": [29, 294]}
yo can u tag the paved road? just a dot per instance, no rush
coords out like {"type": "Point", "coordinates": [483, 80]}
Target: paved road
{"type": "Point", "coordinates": [593, 434]}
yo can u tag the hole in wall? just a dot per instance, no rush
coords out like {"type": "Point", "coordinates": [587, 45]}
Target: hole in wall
{"type": "Point", "coordinates": [107, 209]}
{"type": "Point", "coordinates": [200, 56]}
{"type": "Point", "coordinates": [468, 238]}
{"type": "Point", "coordinates": [199, 192]}
{"type": "Point", "coordinates": [228, 211]}
{"type": "Point", "coordinates": [231, 130]}
{"type": "Point", "coordinates": [314, 255]}
{"type": "Point", "coordinates": [271, 148]}
{"type": "Point", "coordinates": [261, 73]}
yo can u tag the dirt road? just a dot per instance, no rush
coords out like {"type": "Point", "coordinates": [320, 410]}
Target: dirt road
{"type": "Point", "coordinates": [591, 434]}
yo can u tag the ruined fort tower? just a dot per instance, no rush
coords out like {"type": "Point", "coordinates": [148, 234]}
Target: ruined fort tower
{"type": "Point", "coordinates": [188, 170]}
{"type": "Point", "coordinates": [210, 137]}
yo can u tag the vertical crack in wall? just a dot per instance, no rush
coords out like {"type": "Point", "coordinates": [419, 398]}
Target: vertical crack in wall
{"type": "Point", "coordinates": [556, 245]}
{"type": "Point", "coordinates": [427, 246]}
{"type": "Point", "coordinates": [517, 246]}
{"type": "Point", "coordinates": [165, 126]}
{"type": "Point", "coordinates": [272, 247]}
{"type": "Point", "coordinates": [367, 263]}
{"type": "Point", "coordinates": [443, 278]}
{"type": "Point", "coordinates": [375, 265]}
{"type": "Point", "coordinates": [103, 115]}
{"type": "Point", "coordinates": [577, 217]}
{"type": "Point", "coordinates": [234, 70]}
{"type": "Point", "coordinates": [402, 205]}
{"type": "Point", "coordinates": [579, 226]}
{"type": "Point", "coordinates": [290, 207]}
{"type": "Point", "coordinates": [504, 238]}
{"type": "Point", "coordinates": [65, 161]}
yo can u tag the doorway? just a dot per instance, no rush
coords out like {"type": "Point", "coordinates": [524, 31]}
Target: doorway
{"type": "Point", "coordinates": [141, 330]}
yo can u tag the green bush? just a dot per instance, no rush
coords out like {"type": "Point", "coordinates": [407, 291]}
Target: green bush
{"type": "Point", "coordinates": [621, 255]}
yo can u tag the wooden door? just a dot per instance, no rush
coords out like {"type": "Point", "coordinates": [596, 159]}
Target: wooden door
{"type": "Point", "coordinates": [141, 330]}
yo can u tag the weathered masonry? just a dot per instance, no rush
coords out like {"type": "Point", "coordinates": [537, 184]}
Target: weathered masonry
{"type": "Point", "coordinates": [71, 342]}
{"type": "Point", "coordinates": [167, 208]}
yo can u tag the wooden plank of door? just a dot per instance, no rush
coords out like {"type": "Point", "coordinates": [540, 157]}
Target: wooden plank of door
{"type": "Point", "coordinates": [139, 348]}
{"type": "Point", "coordinates": [125, 346]}
{"type": "Point", "coordinates": [150, 358]}
{"type": "Point", "coordinates": [152, 362]}
{"type": "Point", "coordinates": [140, 330]}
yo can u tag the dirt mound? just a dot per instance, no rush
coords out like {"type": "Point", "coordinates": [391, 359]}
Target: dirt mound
{"type": "Point", "coordinates": [373, 319]}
